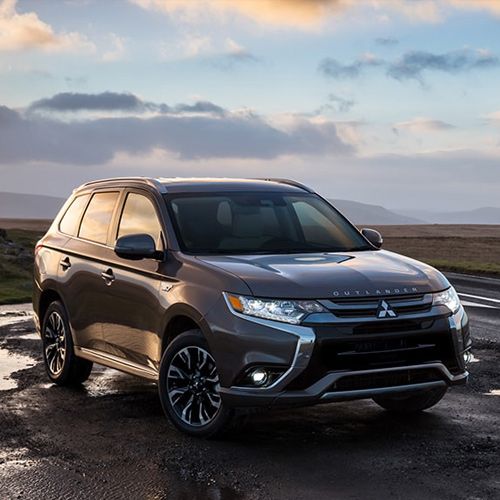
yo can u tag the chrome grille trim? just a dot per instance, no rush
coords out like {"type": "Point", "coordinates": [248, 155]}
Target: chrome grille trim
{"type": "Point", "coordinates": [366, 308]}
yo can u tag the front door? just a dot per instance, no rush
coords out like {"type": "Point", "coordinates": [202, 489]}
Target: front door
{"type": "Point", "coordinates": [134, 314]}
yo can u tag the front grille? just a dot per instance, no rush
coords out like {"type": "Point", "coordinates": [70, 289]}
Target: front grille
{"type": "Point", "coordinates": [388, 379]}
{"type": "Point", "coordinates": [359, 340]}
{"type": "Point", "coordinates": [367, 307]}
{"type": "Point", "coordinates": [368, 352]}
{"type": "Point", "coordinates": [347, 352]}
{"type": "Point", "coordinates": [397, 325]}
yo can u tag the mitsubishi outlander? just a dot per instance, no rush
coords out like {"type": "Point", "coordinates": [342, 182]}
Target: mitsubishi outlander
{"type": "Point", "coordinates": [241, 293]}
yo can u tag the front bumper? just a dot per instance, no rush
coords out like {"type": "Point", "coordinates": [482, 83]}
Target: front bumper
{"type": "Point", "coordinates": [323, 362]}
{"type": "Point", "coordinates": [417, 377]}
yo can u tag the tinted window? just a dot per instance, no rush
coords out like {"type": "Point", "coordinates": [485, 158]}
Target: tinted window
{"type": "Point", "coordinates": [139, 217]}
{"type": "Point", "coordinates": [261, 223]}
{"type": "Point", "coordinates": [69, 222]}
{"type": "Point", "coordinates": [95, 223]}
{"type": "Point", "coordinates": [317, 228]}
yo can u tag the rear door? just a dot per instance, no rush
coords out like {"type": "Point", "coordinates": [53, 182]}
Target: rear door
{"type": "Point", "coordinates": [134, 314]}
{"type": "Point", "coordinates": [82, 268]}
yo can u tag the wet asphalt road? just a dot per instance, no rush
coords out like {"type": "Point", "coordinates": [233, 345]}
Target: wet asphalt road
{"type": "Point", "coordinates": [110, 439]}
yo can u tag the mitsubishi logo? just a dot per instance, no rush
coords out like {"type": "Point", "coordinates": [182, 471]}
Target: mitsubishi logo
{"type": "Point", "coordinates": [384, 310]}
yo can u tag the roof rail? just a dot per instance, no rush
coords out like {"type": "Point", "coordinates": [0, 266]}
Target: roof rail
{"type": "Point", "coordinates": [146, 180]}
{"type": "Point", "coordinates": [287, 181]}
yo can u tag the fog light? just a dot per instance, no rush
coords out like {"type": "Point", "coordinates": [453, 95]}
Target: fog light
{"type": "Point", "coordinates": [259, 376]}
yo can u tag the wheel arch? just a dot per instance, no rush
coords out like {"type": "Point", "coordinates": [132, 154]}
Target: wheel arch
{"type": "Point", "coordinates": [181, 318]}
{"type": "Point", "coordinates": [46, 298]}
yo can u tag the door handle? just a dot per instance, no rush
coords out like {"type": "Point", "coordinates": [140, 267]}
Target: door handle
{"type": "Point", "coordinates": [108, 276]}
{"type": "Point", "coordinates": [65, 264]}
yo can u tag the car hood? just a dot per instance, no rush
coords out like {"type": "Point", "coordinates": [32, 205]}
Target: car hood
{"type": "Point", "coordinates": [327, 275]}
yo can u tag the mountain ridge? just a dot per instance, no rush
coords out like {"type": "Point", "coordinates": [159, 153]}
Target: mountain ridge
{"type": "Point", "coordinates": [36, 206]}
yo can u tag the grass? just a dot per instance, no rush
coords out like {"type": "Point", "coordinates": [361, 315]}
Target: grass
{"type": "Point", "coordinates": [15, 291]}
{"type": "Point", "coordinates": [16, 264]}
{"type": "Point", "coordinates": [466, 267]}
{"type": "Point", "coordinates": [469, 249]}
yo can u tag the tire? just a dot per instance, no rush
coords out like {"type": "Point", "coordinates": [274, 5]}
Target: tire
{"type": "Point", "coordinates": [412, 403]}
{"type": "Point", "coordinates": [188, 387]}
{"type": "Point", "coordinates": [61, 364]}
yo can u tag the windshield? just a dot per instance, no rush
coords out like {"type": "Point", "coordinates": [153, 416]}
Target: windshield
{"type": "Point", "coordinates": [260, 223]}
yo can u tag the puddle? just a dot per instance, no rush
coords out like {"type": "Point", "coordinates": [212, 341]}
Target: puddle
{"type": "Point", "coordinates": [106, 381]}
{"type": "Point", "coordinates": [10, 363]}
{"type": "Point", "coordinates": [14, 456]}
{"type": "Point", "coordinates": [10, 314]}
{"type": "Point", "coordinates": [28, 336]}
{"type": "Point", "coordinates": [493, 392]}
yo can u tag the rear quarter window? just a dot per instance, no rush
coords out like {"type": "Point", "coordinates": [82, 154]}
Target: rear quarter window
{"type": "Point", "coordinates": [71, 219]}
{"type": "Point", "coordinates": [97, 217]}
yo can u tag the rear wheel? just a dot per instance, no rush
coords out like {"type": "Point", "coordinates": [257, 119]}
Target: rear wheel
{"type": "Point", "coordinates": [411, 403]}
{"type": "Point", "coordinates": [189, 387]}
{"type": "Point", "coordinates": [61, 364]}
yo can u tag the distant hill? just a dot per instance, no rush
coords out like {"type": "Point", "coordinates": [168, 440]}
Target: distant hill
{"type": "Point", "coordinates": [485, 215]}
{"type": "Point", "coordinates": [362, 213]}
{"type": "Point", "coordinates": [29, 206]}
{"type": "Point", "coordinates": [34, 206]}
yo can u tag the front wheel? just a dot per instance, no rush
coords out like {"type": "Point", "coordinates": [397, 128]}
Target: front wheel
{"type": "Point", "coordinates": [189, 387]}
{"type": "Point", "coordinates": [412, 403]}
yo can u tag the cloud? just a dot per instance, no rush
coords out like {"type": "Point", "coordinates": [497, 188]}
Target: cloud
{"type": "Point", "coordinates": [200, 107]}
{"type": "Point", "coordinates": [186, 47]}
{"type": "Point", "coordinates": [387, 42]}
{"type": "Point", "coordinates": [492, 6]}
{"type": "Point", "coordinates": [311, 14]}
{"type": "Point", "coordinates": [351, 132]}
{"type": "Point", "coordinates": [334, 69]}
{"type": "Point", "coordinates": [28, 31]}
{"type": "Point", "coordinates": [422, 125]}
{"type": "Point", "coordinates": [76, 81]}
{"type": "Point", "coordinates": [233, 55]}
{"type": "Point", "coordinates": [31, 137]}
{"type": "Point", "coordinates": [224, 55]}
{"type": "Point", "coordinates": [302, 14]}
{"type": "Point", "coordinates": [106, 101]}
{"type": "Point", "coordinates": [238, 52]}
{"type": "Point", "coordinates": [493, 118]}
{"type": "Point", "coordinates": [116, 50]}
{"type": "Point", "coordinates": [71, 102]}
{"type": "Point", "coordinates": [413, 64]}
{"type": "Point", "coordinates": [338, 104]}
{"type": "Point", "coordinates": [450, 180]}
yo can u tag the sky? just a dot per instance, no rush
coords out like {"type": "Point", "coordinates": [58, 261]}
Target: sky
{"type": "Point", "coordinates": [391, 102]}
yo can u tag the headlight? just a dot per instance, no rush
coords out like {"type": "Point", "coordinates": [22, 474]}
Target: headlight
{"type": "Point", "coordinates": [289, 311]}
{"type": "Point", "coordinates": [448, 298]}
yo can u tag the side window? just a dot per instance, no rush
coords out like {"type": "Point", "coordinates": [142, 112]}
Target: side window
{"type": "Point", "coordinates": [95, 223]}
{"type": "Point", "coordinates": [139, 217]}
{"type": "Point", "coordinates": [70, 220]}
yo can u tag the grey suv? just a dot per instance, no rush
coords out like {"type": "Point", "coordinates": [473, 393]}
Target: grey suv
{"type": "Point", "coordinates": [236, 293]}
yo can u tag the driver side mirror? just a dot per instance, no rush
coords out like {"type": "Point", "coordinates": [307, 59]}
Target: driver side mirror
{"type": "Point", "coordinates": [136, 247]}
{"type": "Point", "coordinates": [374, 237]}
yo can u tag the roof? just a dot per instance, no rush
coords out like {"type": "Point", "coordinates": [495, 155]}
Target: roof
{"type": "Point", "coordinates": [201, 184]}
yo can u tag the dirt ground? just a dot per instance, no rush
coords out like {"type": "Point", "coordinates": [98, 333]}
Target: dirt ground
{"type": "Point", "coordinates": [110, 439]}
